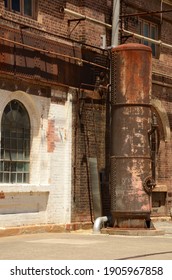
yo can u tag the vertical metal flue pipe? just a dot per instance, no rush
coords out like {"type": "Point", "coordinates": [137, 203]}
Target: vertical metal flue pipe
{"type": "Point", "coordinates": [115, 23]}
{"type": "Point", "coordinates": [130, 123]}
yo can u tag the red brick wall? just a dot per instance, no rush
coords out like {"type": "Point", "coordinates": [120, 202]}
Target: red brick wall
{"type": "Point", "coordinates": [89, 121]}
{"type": "Point", "coordinates": [51, 19]}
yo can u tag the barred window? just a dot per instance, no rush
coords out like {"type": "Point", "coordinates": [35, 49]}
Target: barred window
{"type": "Point", "coordinates": [23, 7]}
{"type": "Point", "coordinates": [15, 144]}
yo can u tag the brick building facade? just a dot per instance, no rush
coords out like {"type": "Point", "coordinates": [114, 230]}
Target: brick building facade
{"type": "Point", "coordinates": [55, 71]}
{"type": "Point", "coordinates": [49, 66]}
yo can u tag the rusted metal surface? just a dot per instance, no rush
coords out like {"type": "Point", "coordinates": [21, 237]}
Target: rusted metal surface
{"type": "Point", "coordinates": [130, 153]}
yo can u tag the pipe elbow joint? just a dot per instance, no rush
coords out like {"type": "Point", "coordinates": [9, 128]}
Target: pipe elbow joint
{"type": "Point", "coordinates": [98, 224]}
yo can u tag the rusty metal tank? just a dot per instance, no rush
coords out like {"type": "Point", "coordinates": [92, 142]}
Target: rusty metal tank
{"type": "Point", "coordinates": [130, 123]}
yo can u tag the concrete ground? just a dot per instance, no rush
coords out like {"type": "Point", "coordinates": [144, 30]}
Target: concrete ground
{"type": "Point", "coordinates": [83, 245]}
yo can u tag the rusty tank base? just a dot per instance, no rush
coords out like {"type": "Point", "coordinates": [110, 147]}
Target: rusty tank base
{"type": "Point", "coordinates": [132, 224]}
{"type": "Point", "coordinates": [133, 227]}
{"type": "Point", "coordinates": [132, 231]}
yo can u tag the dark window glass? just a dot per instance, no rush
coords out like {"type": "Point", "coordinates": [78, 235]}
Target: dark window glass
{"type": "Point", "coordinates": [146, 29]}
{"type": "Point", "coordinates": [16, 5]}
{"type": "Point", "coordinates": [6, 3]}
{"type": "Point", "coordinates": [28, 7]}
{"type": "Point", "coordinates": [153, 36]}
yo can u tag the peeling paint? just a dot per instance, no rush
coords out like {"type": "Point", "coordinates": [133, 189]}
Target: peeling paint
{"type": "Point", "coordinates": [130, 161]}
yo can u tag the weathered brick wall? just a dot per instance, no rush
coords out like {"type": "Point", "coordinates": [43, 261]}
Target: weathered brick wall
{"type": "Point", "coordinates": [101, 10]}
{"type": "Point", "coordinates": [89, 121]}
{"type": "Point", "coordinates": [51, 117]}
{"type": "Point", "coordinates": [49, 18]}
{"type": "Point", "coordinates": [164, 164]}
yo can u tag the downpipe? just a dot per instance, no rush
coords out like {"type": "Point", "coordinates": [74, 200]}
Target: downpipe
{"type": "Point", "coordinates": [98, 224]}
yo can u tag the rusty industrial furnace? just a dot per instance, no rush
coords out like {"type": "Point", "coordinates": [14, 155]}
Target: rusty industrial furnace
{"type": "Point", "coordinates": [131, 120]}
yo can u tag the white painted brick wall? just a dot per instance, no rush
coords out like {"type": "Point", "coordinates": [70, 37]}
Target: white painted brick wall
{"type": "Point", "coordinates": [50, 172]}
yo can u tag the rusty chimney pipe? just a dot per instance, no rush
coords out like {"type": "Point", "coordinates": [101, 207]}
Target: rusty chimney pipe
{"type": "Point", "coordinates": [130, 123]}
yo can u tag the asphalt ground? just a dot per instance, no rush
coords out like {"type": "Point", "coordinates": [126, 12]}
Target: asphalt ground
{"type": "Point", "coordinates": [83, 245]}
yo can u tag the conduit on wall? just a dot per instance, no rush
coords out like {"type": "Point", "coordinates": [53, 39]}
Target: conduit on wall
{"type": "Point", "coordinates": [158, 42]}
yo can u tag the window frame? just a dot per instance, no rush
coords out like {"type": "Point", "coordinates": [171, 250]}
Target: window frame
{"type": "Point", "coordinates": [150, 24]}
{"type": "Point", "coordinates": [21, 12]}
{"type": "Point", "coordinates": [15, 144]}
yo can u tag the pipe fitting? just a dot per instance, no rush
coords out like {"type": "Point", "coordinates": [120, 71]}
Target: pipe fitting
{"type": "Point", "coordinates": [98, 224]}
{"type": "Point", "coordinates": [149, 184]}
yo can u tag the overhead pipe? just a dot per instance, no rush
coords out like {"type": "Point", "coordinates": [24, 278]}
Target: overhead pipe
{"type": "Point", "coordinates": [138, 36]}
{"type": "Point", "coordinates": [114, 23]}
{"type": "Point", "coordinates": [146, 13]}
{"type": "Point", "coordinates": [162, 84]}
{"type": "Point", "coordinates": [78, 15]}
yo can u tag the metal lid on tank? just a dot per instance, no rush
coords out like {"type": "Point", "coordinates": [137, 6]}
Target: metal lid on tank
{"type": "Point", "coordinates": [132, 46]}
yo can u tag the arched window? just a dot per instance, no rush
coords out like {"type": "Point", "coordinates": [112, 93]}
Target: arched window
{"type": "Point", "coordinates": [15, 144]}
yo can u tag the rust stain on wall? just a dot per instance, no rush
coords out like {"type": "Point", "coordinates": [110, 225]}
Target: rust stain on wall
{"type": "Point", "coordinates": [2, 195]}
{"type": "Point", "coordinates": [54, 135]}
